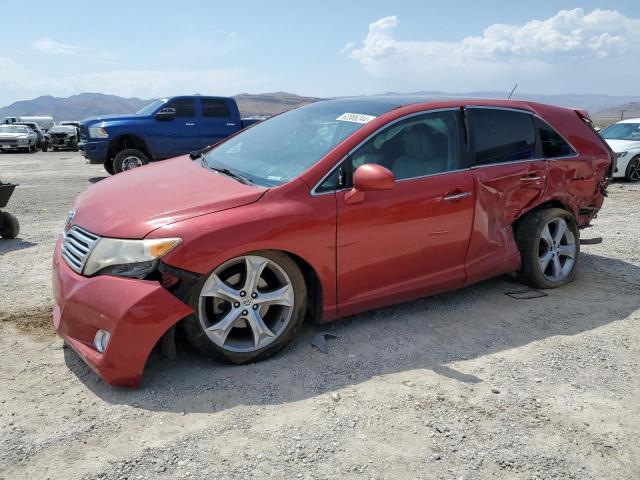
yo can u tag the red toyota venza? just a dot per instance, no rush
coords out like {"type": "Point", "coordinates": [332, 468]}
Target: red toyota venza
{"type": "Point", "coordinates": [324, 211]}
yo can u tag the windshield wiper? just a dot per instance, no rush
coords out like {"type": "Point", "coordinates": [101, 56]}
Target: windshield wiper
{"type": "Point", "coordinates": [230, 173]}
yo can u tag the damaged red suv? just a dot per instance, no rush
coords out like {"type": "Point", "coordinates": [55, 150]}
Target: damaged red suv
{"type": "Point", "coordinates": [324, 211]}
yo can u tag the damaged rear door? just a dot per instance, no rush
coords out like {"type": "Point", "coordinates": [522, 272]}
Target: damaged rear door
{"type": "Point", "coordinates": [509, 176]}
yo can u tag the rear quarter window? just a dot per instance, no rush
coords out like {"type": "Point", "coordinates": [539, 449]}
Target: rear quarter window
{"type": "Point", "coordinates": [553, 145]}
{"type": "Point", "coordinates": [499, 136]}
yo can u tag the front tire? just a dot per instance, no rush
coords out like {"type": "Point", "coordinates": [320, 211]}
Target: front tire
{"type": "Point", "coordinates": [248, 308]}
{"type": "Point", "coordinates": [632, 173]}
{"type": "Point", "coordinates": [129, 159]}
{"type": "Point", "coordinates": [549, 244]}
{"type": "Point", "coordinates": [9, 226]}
{"type": "Point", "coordinates": [108, 166]}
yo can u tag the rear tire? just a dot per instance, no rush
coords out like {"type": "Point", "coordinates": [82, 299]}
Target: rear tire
{"type": "Point", "coordinates": [129, 159]}
{"type": "Point", "coordinates": [9, 226]}
{"type": "Point", "coordinates": [256, 331]}
{"type": "Point", "coordinates": [44, 147]}
{"type": "Point", "coordinates": [632, 173]}
{"type": "Point", "coordinates": [549, 244]}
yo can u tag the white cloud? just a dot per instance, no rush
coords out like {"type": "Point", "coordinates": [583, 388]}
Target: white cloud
{"type": "Point", "coordinates": [545, 49]}
{"type": "Point", "coordinates": [52, 47]}
{"type": "Point", "coordinates": [48, 45]}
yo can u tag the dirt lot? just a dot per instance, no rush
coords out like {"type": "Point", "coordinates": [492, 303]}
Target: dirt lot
{"type": "Point", "coordinates": [467, 385]}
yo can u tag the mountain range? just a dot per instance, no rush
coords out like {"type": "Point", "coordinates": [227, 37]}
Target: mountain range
{"type": "Point", "coordinates": [606, 108]}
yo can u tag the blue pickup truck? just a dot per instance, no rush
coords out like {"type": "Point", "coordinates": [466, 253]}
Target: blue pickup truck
{"type": "Point", "coordinates": [165, 128]}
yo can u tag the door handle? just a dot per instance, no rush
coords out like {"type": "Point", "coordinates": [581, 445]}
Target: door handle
{"type": "Point", "coordinates": [533, 178]}
{"type": "Point", "coordinates": [189, 124]}
{"type": "Point", "coordinates": [456, 196]}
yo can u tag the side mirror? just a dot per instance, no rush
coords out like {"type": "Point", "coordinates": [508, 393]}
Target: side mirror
{"type": "Point", "coordinates": [369, 177]}
{"type": "Point", "coordinates": [166, 114]}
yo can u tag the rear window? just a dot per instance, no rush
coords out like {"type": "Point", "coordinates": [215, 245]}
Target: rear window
{"type": "Point", "coordinates": [498, 136]}
{"type": "Point", "coordinates": [553, 145]}
{"type": "Point", "coordinates": [215, 108]}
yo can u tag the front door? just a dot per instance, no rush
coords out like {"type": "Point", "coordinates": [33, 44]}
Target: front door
{"type": "Point", "coordinates": [178, 135]}
{"type": "Point", "coordinates": [412, 240]}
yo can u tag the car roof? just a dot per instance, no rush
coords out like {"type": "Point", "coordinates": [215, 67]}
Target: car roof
{"type": "Point", "coordinates": [380, 104]}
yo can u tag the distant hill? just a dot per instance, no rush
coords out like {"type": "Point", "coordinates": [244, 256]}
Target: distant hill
{"type": "Point", "coordinates": [84, 105]}
{"type": "Point", "coordinates": [76, 107]}
{"type": "Point", "coordinates": [626, 110]}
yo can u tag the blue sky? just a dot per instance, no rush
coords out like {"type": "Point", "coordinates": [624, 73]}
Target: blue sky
{"type": "Point", "coordinates": [154, 48]}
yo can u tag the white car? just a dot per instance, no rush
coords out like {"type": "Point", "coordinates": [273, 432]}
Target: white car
{"type": "Point", "coordinates": [17, 137]}
{"type": "Point", "coordinates": [624, 139]}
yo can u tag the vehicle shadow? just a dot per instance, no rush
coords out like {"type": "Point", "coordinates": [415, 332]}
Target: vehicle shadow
{"type": "Point", "coordinates": [7, 246]}
{"type": "Point", "coordinates": [96, 179]}
{"type": "Point", "coordinates": [425, 334]}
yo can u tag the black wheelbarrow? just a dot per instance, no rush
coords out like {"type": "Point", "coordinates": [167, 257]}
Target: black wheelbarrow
{"type": "Point", "coordinates": [9, 226]}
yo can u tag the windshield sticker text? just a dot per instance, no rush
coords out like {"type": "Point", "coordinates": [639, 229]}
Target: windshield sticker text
{"type": "Point", "coordinates": [355, 117]}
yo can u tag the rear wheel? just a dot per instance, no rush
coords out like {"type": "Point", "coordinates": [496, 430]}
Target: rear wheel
{"type": "Point", "coordinates": [632, 173]}
{"type": "Point", "coordinates": [549, 245]}
{"type": "Point", "coordinates": [44, 147]}
{"type": "Point", "coordinates": [129, 159]}
{"type": "Point", "coordinates": [9, 226]}
{"type": "Point", "coordinates": [248, 308]}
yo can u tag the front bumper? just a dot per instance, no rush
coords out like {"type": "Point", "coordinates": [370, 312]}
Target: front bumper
{"type": "Point", "coordinates": [11, 145]}
{"type": "Point", "coordinates": [135, 312]}
{"type": "Point", "coordinates": [94, 151]}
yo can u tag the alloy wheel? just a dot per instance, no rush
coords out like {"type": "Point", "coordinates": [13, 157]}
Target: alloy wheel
{"type": "Point", "coordinates": [556, 250]}
{"type": "Point", "coordinates": [634, 169]}
{"type": "Point", "coordinates": [131, 162]}
{"type": "Point", "coordinates": [246, 304]}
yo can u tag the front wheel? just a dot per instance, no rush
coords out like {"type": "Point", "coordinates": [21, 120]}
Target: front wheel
{"type": "Point", "coordinates": [44, 147]}
{"type": "Point", "coordinates": [128, 160]}
{"type": "Point", "coordinates": [549, 245]}
{"type": "Point", "coordinates": [248, 308]}
{"type": "Point", "coordinates": [632, 173]}
{"type": "Point", "coordinates": [9, 226]}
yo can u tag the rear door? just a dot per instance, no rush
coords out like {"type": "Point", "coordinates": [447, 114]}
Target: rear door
{"type": "Point", "coordinates": [411, 240]}
{"type": "Point", "coordinates": [510, 173]}
{"type": "Point", "coordinates": [179, 135]}
{"type": "Point", "coordinates": [218, 120]}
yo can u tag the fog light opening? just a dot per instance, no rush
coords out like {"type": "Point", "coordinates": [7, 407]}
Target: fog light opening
{"type": "Point", "coordinates": [101, 340]}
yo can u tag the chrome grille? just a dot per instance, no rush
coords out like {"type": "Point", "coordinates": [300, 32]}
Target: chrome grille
{"type": "Point", "coordinates": [77, 244]}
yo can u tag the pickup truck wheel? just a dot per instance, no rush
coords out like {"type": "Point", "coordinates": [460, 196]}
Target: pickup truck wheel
{"type": "Point", "coordinates": [9, 226]}
{"type": "Point", "coordinates": [549, 245]}
{"type": "Point", "coordinates": [129, 159]}
{"type": "Point", "coordinates": [108, 166]}
{"type": "Point", "coordinates": [248, 308]}
{"type": "Point", "coordinates": [632, 174]}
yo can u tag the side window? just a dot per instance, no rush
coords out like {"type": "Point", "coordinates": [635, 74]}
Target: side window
{"type": "Point", "coordinates": [418, 146]}
{"type": "Point", "coordinates": [497, 136]}
{"type": "Point", "coordinates": [212, 107]}
{"type": "Point", "coordinates": [553, 145]}
{"type": "Point", "coordinates": [185, 107]}
{"type": "Point", "coordinates": [335, 181]}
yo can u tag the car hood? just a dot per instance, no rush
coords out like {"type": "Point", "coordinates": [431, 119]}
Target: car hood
{"type": "Point", "coordinates": [134, 203]}
{"type": "Point", "coordinates": [14, 135]}
{"type": "Point", "coordinates": [622, 145]}
{"type": "Point", "coordinates": [107, 118]}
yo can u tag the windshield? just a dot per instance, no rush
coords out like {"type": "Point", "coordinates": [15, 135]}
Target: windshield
{"type": "Point", "coordinates": [12, 129]}
{"type": "Point", "coordinates": [62, 129]}
{"type": "Point", "coordinates": [279, 149]}
{"type": "Point", "coordinates": [622, 131]}
{"type": "Point", "coordinates": [149, 109]}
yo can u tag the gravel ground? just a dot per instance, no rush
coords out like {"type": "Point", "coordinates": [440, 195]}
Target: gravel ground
{"type": "Point", "coordinates": [467, 385]}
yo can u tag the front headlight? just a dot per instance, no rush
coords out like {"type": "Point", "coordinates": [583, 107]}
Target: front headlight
{"type": "Point", "coordinates": [129, 258]}
{"type": "Point", "coordinates": [621, 154]}
{"type": "Point", "coordinates": [98, 132]}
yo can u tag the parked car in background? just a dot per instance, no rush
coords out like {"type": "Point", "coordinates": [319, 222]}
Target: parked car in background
{"type": "Point", "coordinates": [45, 121]}
{"type": "Point", "coordinates": [43, 138]}
{"type": "Point", "coordinates": [17, 137]}
{"type": "Point", "coordinates": [72, 123]}
{"type": "Point", "coordinates": [63, 137]}
{"type": "Point", "coordinates": [324, 211]}
{"type": "Point", "coordinates": [624, 138]}
{"type": "Point", "coordinates": [163, 129]}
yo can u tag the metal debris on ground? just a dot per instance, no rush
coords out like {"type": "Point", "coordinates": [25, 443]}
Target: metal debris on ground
{"type": "Point", "coordinates": [320, 341]}
{"type": "Point", "coordinates": [526, 294]}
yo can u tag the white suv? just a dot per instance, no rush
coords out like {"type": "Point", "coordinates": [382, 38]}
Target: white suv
{"type": "Point", "coordinates": [624, 139]}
